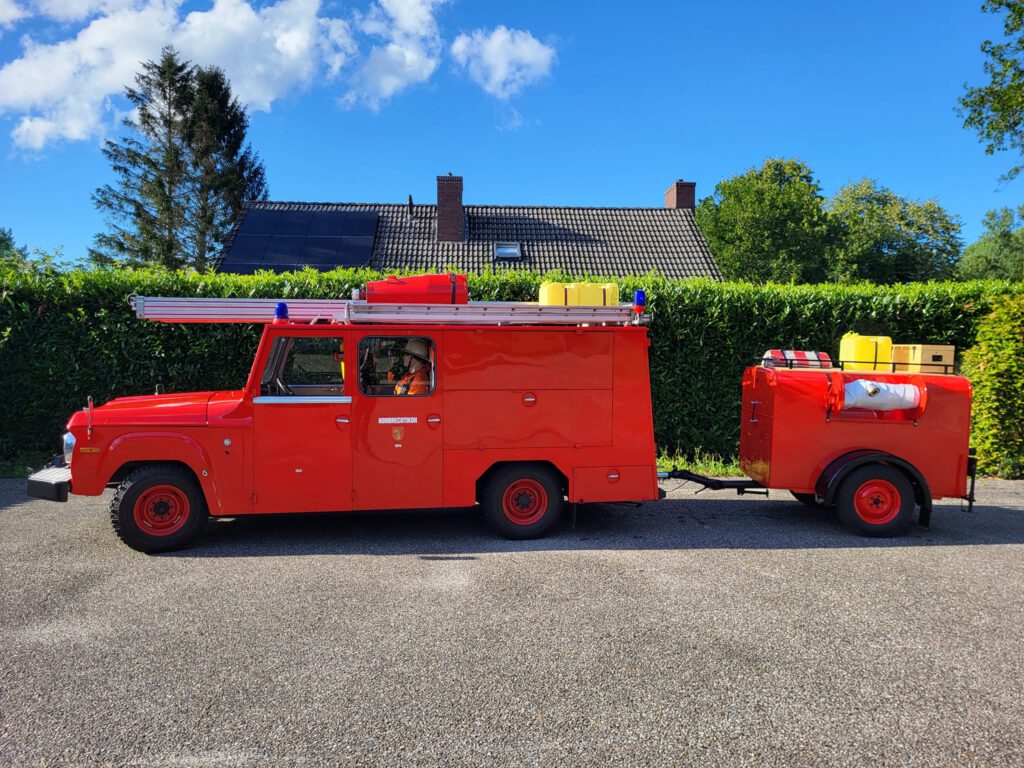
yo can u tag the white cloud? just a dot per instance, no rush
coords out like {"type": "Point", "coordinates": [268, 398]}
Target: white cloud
{"type": "Point", "coordinates": [10, 12]}
{"type": "Point", "coordinates": [65, 90]}
{"type": "Point", "coordinates": [70, 89]}
{"type": "Point", "coordinates": [409, 55]}
{"type": "Point", "coordinates": [64, 87]}
{"type": "Point", "coordinates": [78, 10]}
{"type": "Point", "coordinates": [265, 53]}
{"type": "Point", "coordinates": [503, 61]}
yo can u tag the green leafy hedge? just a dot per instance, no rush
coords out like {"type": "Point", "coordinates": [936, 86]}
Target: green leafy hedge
{"type": "Point", "coordinates": [65, 336]}
{"type": "Point", "coordinates": [996, 367]}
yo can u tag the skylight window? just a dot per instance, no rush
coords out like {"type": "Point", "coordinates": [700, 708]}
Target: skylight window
{"type": "Point", "coordinates": [507, 251]}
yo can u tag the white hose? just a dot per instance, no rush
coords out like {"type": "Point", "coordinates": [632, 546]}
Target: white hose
{"type": "Point", "coordinates": [879, 396]}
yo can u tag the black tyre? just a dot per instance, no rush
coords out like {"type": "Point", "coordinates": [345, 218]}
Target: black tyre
{"type": "Point", "coordinates": [158, 508]}
{"type": "Point", "coordinates": [876, 500]}
{"type": "Point", "coordinates": [806, 498]}
{"type": "Point", "coordinates": [522, 501]}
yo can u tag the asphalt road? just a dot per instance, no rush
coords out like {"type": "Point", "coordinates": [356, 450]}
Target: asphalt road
{"type": "Point", "coordinates": [707, 630]}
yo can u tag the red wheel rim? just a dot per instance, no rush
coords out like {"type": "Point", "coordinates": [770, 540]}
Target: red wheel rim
{"type": "Point", "coordinates": [161, 510]}
{"type": "Point", "coordinates": [877, 502]}
{"type": "Point", "coordinates": [524, 502]}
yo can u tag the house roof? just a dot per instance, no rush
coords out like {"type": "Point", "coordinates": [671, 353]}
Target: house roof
{"type": "Point", "coordinates": [597, 241]}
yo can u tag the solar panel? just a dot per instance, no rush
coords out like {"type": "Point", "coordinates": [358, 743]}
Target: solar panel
{"type": "Point", "coordinates": [294, 223]}
{"type": "Point", "coordinates": [284, 240]}
{"type": "Point", "coordinates": [249, 248]}
{"type": "Point", "coordinates": [328, 223]}
{"type": "Point", "coordinates": [354, 251]}
{"type": "Point", "coordinates": [361, 224]}
{"type": "Point", "coordinates": [259, 222]}
{"type": "Point", "coordinates": [283, 250]}
{"type": "Point", "coordinates": [319, 251]}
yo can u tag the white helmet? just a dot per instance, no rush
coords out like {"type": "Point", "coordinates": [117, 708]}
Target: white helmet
{"type": "Point", "coordinates": [418, 348]}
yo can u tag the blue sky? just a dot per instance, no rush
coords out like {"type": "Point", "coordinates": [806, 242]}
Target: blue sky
{"type": "Point", "coordinates": [567, 103]}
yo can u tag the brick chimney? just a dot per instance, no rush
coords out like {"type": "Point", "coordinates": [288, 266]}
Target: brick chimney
{"type": "Point", "coordinates": [682, 194]}
{"type": "Point", "coordinates": [451, 219]}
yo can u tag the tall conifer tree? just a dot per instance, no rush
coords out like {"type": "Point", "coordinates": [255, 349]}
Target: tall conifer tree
{"type": "Point", "coordinates": [182, 173]}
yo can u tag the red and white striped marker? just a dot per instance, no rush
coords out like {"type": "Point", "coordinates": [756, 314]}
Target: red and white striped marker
{"type": "Point", "coordinates": [795, 358]}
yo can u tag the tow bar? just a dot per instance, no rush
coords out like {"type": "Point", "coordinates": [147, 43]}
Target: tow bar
{"type": "Point", "coordinates": [715, 484]}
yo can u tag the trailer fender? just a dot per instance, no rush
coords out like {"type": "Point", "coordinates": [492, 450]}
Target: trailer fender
{"type": "Point", "coordinates": [832, 477]}
{"type": "Point", "coordinates": [154, 447]}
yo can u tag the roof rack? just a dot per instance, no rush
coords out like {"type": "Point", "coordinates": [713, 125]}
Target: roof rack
{"type": "Point", "coordinates": [199, 310]}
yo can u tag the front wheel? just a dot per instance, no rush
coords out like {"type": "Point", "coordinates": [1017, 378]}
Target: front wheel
{"type": "Point", "coordinates": [876, 500]}
{"type": "Point", "coordinates": [522, 502]}
{"type": "Point", "coordinates": [158, 508]}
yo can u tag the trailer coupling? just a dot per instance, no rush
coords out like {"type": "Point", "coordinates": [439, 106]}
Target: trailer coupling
{"type": "Point", "coordinates": [715, 483]}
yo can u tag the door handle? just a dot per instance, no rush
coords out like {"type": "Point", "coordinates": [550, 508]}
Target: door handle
{"type": "Point", "coordinates": [433, 419]}
{"type": "Point", "coordinates": [342, 420]}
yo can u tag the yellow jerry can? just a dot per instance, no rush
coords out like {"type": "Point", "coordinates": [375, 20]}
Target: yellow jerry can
{"type": "Point", "coordinates": [552, 294]}
{"type": "Point", "coordinates": [865, 353]}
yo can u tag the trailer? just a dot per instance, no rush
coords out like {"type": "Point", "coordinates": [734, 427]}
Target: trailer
{"type": "Point", "coordinates": [873, 445]}
{"type": "Point", "coordinates": [416, 398]}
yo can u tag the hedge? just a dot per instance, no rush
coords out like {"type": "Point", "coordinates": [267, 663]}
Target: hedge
{"type": "Point", "coordinates": [996, 367]}
{"type": "Point", "coordinates": [66, 336]}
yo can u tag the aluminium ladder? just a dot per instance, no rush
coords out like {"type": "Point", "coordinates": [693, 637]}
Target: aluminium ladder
{"type": "Point", "coordinates": [203, 310]}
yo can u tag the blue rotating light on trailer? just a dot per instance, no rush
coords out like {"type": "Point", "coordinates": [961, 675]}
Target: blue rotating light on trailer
{"type": "Point", "coordinates": [639, 301]}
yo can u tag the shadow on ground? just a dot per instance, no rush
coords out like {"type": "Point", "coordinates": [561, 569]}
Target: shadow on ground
{"type": "Point", "coordinates": [674, 524]}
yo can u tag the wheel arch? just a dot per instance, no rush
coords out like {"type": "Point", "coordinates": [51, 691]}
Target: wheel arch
{"type": "Point", "coordinates": [130, 452]}
{"type": "Point", "coordinates": [832, 477]}
{"type": "Point", "coordinates": [481, 482]}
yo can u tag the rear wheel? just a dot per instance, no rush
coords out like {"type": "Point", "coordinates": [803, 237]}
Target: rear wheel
{"type": "Point", "coordinates": [158, 508]}
{"type": "Point", "coordinates": [522, 502]}
{"type": "Point", "coordinates": [876, 500]}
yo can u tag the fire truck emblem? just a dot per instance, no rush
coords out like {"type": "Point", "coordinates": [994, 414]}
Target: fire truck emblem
{"type": "Point", "coordinates": [397, 433]}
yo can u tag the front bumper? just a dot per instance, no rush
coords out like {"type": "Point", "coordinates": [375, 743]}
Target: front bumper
{"type": "Point", "coordinates": [52, 484]}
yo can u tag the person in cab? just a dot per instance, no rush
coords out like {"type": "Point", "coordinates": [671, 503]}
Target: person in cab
{"type": "Point", "coordinates": [416, 358]}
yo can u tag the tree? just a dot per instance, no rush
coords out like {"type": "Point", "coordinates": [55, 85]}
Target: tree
{"type": "Point", "coordinates": [224, 172]}
{"type": "Point", "coordinates": [768, 224]}
{"type": "Point", "coordinates": [999, 252]}
{"type": "Point", "coordinates": [996, 110]}
{"type": "Point", "coordinates": [182, 173]}
{"type": "Point", "coordinates": [11, 255]}
{"type": "Point", "coordinates": [885, 238]}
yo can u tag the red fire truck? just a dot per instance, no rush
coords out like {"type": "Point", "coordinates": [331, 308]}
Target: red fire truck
{"type": "Point", "coordinates": [393, 403]}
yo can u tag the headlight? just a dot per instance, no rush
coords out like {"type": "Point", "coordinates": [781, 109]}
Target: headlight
{"type": "Point", "coordinates": [69, 446]}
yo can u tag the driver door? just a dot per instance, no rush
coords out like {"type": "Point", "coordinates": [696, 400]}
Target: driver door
{"type": "Point", "coordinates": [302, 434]}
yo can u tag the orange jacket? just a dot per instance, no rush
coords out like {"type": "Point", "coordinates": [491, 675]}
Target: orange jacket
{"type": "Point", "coordinates": [415, 383]}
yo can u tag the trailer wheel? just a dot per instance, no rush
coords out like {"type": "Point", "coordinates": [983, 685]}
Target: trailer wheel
{"type": "Point", "coordinates": [158, 508]}
{"type": "Point", "coordinates": [522, 502]}
{"type": "Point", "coordinates": [876, 500]}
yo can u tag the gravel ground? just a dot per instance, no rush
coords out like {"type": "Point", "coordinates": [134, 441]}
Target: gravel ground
{"type": "Point", "coordinates": [707, 630]}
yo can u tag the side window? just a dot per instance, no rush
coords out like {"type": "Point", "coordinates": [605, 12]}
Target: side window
{"type": "Point", "coordinates": [305, 365]}
{"type": "Point", "coordinates": [395, 366]}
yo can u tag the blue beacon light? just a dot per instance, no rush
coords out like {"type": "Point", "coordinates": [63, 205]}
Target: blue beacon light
{"type": "Point", "coordinates": [639, 301]}
{"type": "Point", "coordinates": [280, 313]}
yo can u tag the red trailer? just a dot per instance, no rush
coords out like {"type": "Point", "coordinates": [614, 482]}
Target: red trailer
{"type": "Point", "coordinates": [520, 408]}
